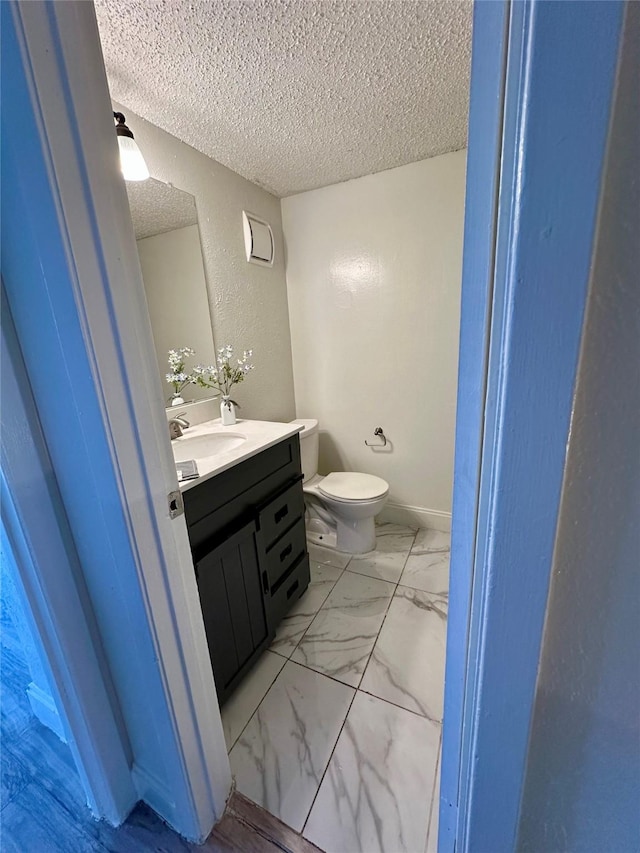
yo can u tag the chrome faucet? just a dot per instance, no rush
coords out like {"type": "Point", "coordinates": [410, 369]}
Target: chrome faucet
{"type": "Point", "coordinates": [176, 424]}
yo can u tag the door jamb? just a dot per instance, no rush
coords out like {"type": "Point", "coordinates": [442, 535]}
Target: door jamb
{"type": "Point", "coordinates": [62, 63]}
{"type": "Point", "coordinates": [552, 162]}
{"type": "Point", "coordinates": [49, 573]}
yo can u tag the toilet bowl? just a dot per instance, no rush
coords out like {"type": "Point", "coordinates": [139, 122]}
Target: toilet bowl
{"type": "Point", "coordinates": [340, 507]}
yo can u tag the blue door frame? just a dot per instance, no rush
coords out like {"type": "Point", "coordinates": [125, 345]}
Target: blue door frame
{"type": "Point", "coordinates": [542, 83]}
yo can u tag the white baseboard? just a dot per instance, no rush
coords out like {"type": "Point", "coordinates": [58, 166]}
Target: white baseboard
{"type": "Point", "coordinates": [154, 793]}
{"type": "Point", "coordinates": [44, 710]}
{"type": "Point", "coordinates": [416, 516]}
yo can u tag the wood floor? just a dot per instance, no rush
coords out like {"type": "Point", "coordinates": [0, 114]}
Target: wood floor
{"type": "Point", "coordinates": [42, 808]}
{"type": "Point", "coordinates": [246, 828]}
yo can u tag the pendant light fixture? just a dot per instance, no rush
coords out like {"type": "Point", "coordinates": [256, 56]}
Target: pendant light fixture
{"type": "Point", "coordinates": [131, 160]}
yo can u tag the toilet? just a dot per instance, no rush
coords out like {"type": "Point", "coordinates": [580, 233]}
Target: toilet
{"type": "Point", "coordinates": [340, 507]}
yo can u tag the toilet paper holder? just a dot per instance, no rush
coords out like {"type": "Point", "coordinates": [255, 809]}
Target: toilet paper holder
{"type": "Point", "coordinates": [377, 431]}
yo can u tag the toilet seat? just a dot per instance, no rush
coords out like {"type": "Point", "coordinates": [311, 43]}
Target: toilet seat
{"type": "Point", "coordinates": [350, 486]}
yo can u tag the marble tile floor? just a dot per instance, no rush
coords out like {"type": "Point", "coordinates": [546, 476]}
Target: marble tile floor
{"type": "Point", "coordinates": [337, 730]}
{"type": "Point", "coordinates": [340, 736]}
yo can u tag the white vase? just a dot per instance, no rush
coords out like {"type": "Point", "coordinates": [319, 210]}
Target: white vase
{"type": "Point", "coordinates": [227, 411]}
{"type": "Point", "coordinates": [177, 400]}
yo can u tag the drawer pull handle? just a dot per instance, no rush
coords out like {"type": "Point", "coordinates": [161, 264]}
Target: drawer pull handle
{"type": "Point", "coordinates": [283, 512]}
{"type": "Point", "coordinates": [265, 583]}
{"type": "Point", "coordinates": [285, 553]}
{"type": "Point", "coordinates": [292, 589]}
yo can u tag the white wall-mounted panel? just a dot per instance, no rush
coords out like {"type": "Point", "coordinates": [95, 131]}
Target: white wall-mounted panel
{"type": "Point", "coordinates": [258, 240]}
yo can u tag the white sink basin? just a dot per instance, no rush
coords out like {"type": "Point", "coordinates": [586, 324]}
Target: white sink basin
{"type": "Point", "coordinates": [204, 446]}
{"type": "Point", "coordinates": [217, 448]}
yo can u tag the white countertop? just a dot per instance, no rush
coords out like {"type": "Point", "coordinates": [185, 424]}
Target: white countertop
{"type": "Point", "coordinates": [259, 435]}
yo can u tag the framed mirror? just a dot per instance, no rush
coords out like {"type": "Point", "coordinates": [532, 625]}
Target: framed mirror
{"type": "Point", "coordinates": [165, 221]}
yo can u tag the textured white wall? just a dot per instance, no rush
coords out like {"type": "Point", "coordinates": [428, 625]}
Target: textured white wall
{"type": "Point", "coordinates": [177, 300]}
{"type": "Point", "coordinates": [248, 303]}
{"type": "Point", "coordinates": [583, 776]}
{"type": "Point", "coordinates": [373, 276]}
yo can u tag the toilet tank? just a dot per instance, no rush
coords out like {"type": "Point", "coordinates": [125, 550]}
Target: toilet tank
{"type": "Point", "coordinates": [309, 438]}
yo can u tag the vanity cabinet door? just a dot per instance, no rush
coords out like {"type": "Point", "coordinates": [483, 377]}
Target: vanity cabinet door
{"type": "Point", "coordinates": [232, 604]}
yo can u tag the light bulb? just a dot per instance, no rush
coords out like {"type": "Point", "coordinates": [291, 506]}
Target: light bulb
{"type": "Point", "coordinates": [132, 162]}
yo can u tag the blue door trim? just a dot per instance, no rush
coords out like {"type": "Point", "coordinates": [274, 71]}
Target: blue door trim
{"type": "Point", "coordinates": [560, 74]}
{"type": "Point", "coordinates": [490, 22]}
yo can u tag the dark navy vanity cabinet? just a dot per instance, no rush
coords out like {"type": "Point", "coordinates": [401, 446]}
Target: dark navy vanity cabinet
{"type": "Point", "coordinates": [247, 534]}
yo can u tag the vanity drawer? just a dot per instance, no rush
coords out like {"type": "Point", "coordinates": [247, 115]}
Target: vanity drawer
{"type": "Point", "coordinates": [289, 590]}
{"type": "Point", "coordinates": [280, 513]}
{"type": "Point", "coordinates": [215, 506]}
{"type": "Point", "coordinates": [281, 556]}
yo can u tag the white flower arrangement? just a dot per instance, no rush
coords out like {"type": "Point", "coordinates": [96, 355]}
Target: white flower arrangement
{"type": "Point", "coordinates": [177, 375]}
{"type": "Point", "coordinates": [221, 376]}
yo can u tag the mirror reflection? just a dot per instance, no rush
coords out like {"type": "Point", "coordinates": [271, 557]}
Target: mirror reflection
{"type": "Point", "coordinates": [165, 222]}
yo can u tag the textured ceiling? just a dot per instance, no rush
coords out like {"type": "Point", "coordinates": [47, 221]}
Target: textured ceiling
{"type": "Point", "coordinates": [157, 207]}
{"type": "Point", "coordinates": [300, 94]}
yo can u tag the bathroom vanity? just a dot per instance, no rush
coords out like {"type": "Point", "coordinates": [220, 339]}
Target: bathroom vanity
{"type": "Point", "coordinates": [245, 518]}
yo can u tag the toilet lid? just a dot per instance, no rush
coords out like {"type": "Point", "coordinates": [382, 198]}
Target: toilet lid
{"type": "Point", "coordinates": [349, 486]}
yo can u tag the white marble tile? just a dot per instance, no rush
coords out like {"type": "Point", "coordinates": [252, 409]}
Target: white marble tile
{"type": "Point", "coordinates": [298, 619]}
{"type": "Point", "coordinates": [244, 700]}
{"type": "Point", "coordinates": [393, 544]}
{"type": "Point", "coordinates": [407, 664]}
{"type": "Point", "coordinates": [328, 556]}
{"type": "Point", "coordinates": [339, 640]}
{"type": "Point", "coordinates": [428, 540]}
{"type": "Point", "coordinates": [279, 760]}
{"type": "Point", "coordinates": [385, 528]}
{"type": "Point", "coordinates": [377, 790]}
{"type": "Point", "coordinates": [432, 836]}
{"type": "Point", "coordinates": [427, 566]}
